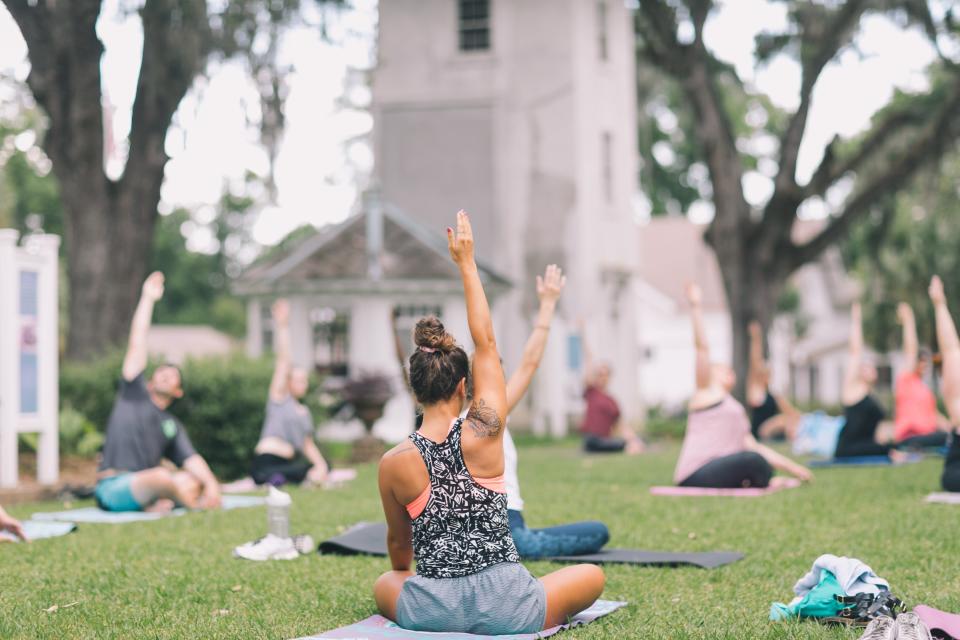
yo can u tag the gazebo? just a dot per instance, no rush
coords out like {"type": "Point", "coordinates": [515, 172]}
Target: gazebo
{"type": "Point", "coordinates": [356, 289]}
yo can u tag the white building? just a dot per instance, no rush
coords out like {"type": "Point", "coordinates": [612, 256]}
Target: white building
{"type": "Point", "coordinates": [807, 349]}
{"type": "Point", "coordinates": [522, 112]}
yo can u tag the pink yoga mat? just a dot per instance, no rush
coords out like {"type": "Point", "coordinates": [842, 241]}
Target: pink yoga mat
{"type": "Point", "coordinates": [942, 625]}
{"type": "Point", "coordinates": [752, 492]}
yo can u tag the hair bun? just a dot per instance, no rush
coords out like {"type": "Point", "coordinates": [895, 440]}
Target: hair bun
{"type": "Point", "coordinates": [429, 333]}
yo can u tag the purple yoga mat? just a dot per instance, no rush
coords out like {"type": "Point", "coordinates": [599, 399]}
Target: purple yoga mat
{"type": "Point", "coordinates": [752, 492]}
{"type": "Point", "coordinates": [942, 625]}
{"type": "Point", "coordinates": [379, 628]}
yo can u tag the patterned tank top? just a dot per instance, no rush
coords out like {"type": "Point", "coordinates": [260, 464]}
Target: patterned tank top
{"type": "Point", "coordinates": [463, 528]}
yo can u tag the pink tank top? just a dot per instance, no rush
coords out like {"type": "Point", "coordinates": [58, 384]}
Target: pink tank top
{"type": "Point", "coordinates": [712, 433]}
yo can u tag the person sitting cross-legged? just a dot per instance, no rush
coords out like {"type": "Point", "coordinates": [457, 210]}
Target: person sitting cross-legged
{"type": "Point", "coordinates": [572, 539]}
{"type": "Point", "coordinates": [286, 451]}
{"type": "Point", "coordinates": [141, 433]}
{"type": "Point", "coordinates": [719, 451]}
{"type": "Point", "coordinates": [443, 496]}
{"type": "Point", "coordinates": [862, 412]}
{"type": "Point", "coordinates": [918, 424]}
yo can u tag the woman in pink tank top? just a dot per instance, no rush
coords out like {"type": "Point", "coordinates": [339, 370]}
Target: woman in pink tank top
{"type": "Point", "coordinates": [718, 448]}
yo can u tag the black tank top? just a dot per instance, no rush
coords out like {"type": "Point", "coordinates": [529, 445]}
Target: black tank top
{"type": "Point", "coordinates": [762, 413]}
{"type": "Point", "coordinates": [463, 528]}
{"type": "Point", "coordinates": [863, 417]}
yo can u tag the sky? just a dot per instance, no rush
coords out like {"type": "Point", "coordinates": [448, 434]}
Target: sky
{"type": "Point", "coordinates": [320, 166]}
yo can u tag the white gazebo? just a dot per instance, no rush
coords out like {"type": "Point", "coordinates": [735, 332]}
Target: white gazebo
{"type": "Point", "coordinates": [356, 289]}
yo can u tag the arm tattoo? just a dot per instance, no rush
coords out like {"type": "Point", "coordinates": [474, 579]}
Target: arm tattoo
{"type": "Point", "coordinates": [483, 420]}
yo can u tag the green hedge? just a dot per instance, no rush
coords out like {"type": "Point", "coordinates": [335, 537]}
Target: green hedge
{"type": "Point", "coordinates": [222, 407]}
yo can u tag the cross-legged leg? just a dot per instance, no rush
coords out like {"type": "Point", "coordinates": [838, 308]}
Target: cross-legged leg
{"type": "Point", "coordinates": [386, 591]}
{"type": "Point", "coordinates": [154, 484]}
{"type": "Point", "coordinates": [571, 590]}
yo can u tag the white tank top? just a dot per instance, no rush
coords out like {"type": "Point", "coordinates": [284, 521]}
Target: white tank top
{"type": "Point", "coordinates": [514, 501]}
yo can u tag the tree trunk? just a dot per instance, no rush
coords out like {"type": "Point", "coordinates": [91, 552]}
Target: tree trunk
{"type": "Point", "coordinates": [752, 284]}
{"type": "Point", "coordinates": [111, 239]}
{"type": "Point", "coordinates": [108, 224]}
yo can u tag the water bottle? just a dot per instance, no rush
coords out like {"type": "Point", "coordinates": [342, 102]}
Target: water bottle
{"type": "Point", "coordinates": [278, 513]}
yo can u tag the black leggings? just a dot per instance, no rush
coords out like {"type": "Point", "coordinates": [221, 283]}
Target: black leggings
{"type": "Point", "coordinates": [927, 441]}
{"type": "Point", "coordinates": [853, 443]}
{"type": "Point", "coordinates": [738, 470]}
{"type": "Point", "coordinates": [596, 444]}
{"type": "Point", "coordinates": [270, 469]}
{"type": "Point", "coordinates": [951, 468]}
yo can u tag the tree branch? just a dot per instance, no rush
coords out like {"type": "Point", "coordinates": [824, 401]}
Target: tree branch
{"type": "Point", "coordinates": [175, 47]}
{"type": "Point", "coordinates": [832, 169]}
{"type": "Point", "coordinates": [656, 24]}
{"type": "Point", "coordinates": [928, 146]}
{"type": "Point", "coordinates": [823, 34]}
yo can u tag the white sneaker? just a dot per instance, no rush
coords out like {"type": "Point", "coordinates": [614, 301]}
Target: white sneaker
{"type": "Point", "coordinates": [880, 628]}
{"type": "Point", "coordinates": [269, 547]}
{"type": "Point", "coordinates": [911, 627]}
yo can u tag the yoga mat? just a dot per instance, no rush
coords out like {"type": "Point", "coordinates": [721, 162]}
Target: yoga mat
{"type": "Point", "coordinates": [379, 628]}
{"type": "Point", "coordinates": [370, 538]}
{"type": "Point", "coordinates": [95, 515]}
{"type": "Point", "coordinates": [38, 530]}
{"type": "Point", "coordinates": [705, 560]}
{"type": "Point", "coordinates": [859, 461]}
{"type": "Point", "coordinates": [941, 624]}
{"type": "Point", "coordinates": [751, 492]}
{"type": "Point", "coordinates": [943, 497]}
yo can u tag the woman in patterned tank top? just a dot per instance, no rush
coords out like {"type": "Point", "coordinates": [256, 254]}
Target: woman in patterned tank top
{"type": "Point", "coordinates": [444, 499]}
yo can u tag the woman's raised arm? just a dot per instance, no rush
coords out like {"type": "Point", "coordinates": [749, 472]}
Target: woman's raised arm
{"type": "Point", "coordinates": [488, 411]}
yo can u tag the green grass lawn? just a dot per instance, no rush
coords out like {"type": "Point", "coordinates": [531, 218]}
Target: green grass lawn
{"type": "Point", "coordinates": [176, 578]}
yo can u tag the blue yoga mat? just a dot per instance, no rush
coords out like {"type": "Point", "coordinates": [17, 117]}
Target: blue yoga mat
{"type": "Point", "coordinates": [95, 515]}
{"type": "Point", "coordinates": [862, 461]}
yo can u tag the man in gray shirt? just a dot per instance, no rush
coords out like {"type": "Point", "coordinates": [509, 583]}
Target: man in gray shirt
{"type": "Point", "coordinates": [141, 433]}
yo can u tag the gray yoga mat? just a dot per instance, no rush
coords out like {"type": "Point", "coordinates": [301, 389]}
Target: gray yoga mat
{"type": "Point", "coordinates": [95, 515]}
{"type": "Point", "coordinates": [370, 538]}
{"type": "Point", "coordinates": [38, 530]}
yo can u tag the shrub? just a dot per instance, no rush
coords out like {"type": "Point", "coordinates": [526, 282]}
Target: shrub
{"type": "Point", "coordinates": [90, 387]}
{"type": "Point", "coordinates": [78, 436]}
{"type": "Point", "coordinates": [222, 408]}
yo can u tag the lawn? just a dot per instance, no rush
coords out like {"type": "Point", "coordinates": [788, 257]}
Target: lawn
{"type": "Point", "coordinates": [176, 578]}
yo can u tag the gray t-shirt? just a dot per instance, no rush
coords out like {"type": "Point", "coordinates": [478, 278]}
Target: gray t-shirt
{"type": "Point", "coordinates": [140, 434]}
{"type": "Point", "coordinates": [288, 420]}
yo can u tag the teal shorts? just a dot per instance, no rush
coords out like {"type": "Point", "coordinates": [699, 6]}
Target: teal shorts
{"type": "Point", "coordinates": [114, 494]}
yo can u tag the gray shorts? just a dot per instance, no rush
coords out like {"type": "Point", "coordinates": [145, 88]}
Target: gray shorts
{"type": "Point", "coordinates": [500, 600]}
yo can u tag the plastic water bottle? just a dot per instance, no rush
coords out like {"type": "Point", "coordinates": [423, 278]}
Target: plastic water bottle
{"type": "Point", "coordinates": [278, 513]}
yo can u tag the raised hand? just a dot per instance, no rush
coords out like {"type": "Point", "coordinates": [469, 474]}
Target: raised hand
{"type": "Point", "coordinates": [153, 287]}
{"type": "Point", "coordinates": [460, 242]}
{"type": "Point", "coordinates": [937, 296]}
{"type": "Point", "coordinates": [904, 313]}
{"type": "Point", "coordinates": [551, 284]}
{"type": "Point", "coordinates": [694, 294]}
{"type": "Point", "coordinates": [281, 312]}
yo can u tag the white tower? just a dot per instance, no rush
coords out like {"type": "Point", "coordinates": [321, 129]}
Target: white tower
{"type": "Point", "coordinates": [523, 112]}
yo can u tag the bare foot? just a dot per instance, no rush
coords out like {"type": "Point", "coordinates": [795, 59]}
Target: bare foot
{"type": "Point", "coordinates": [898, 457]}
{"type": "Point", "coordinates": [635, 447]}
{"type": "Point", "coordinates": [163, 505]}
{"type": "Point", "coordinates": [781, 482]}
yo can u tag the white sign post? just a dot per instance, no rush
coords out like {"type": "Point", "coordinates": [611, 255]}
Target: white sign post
{"type": "Point", "coordinates": [29, 352]}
